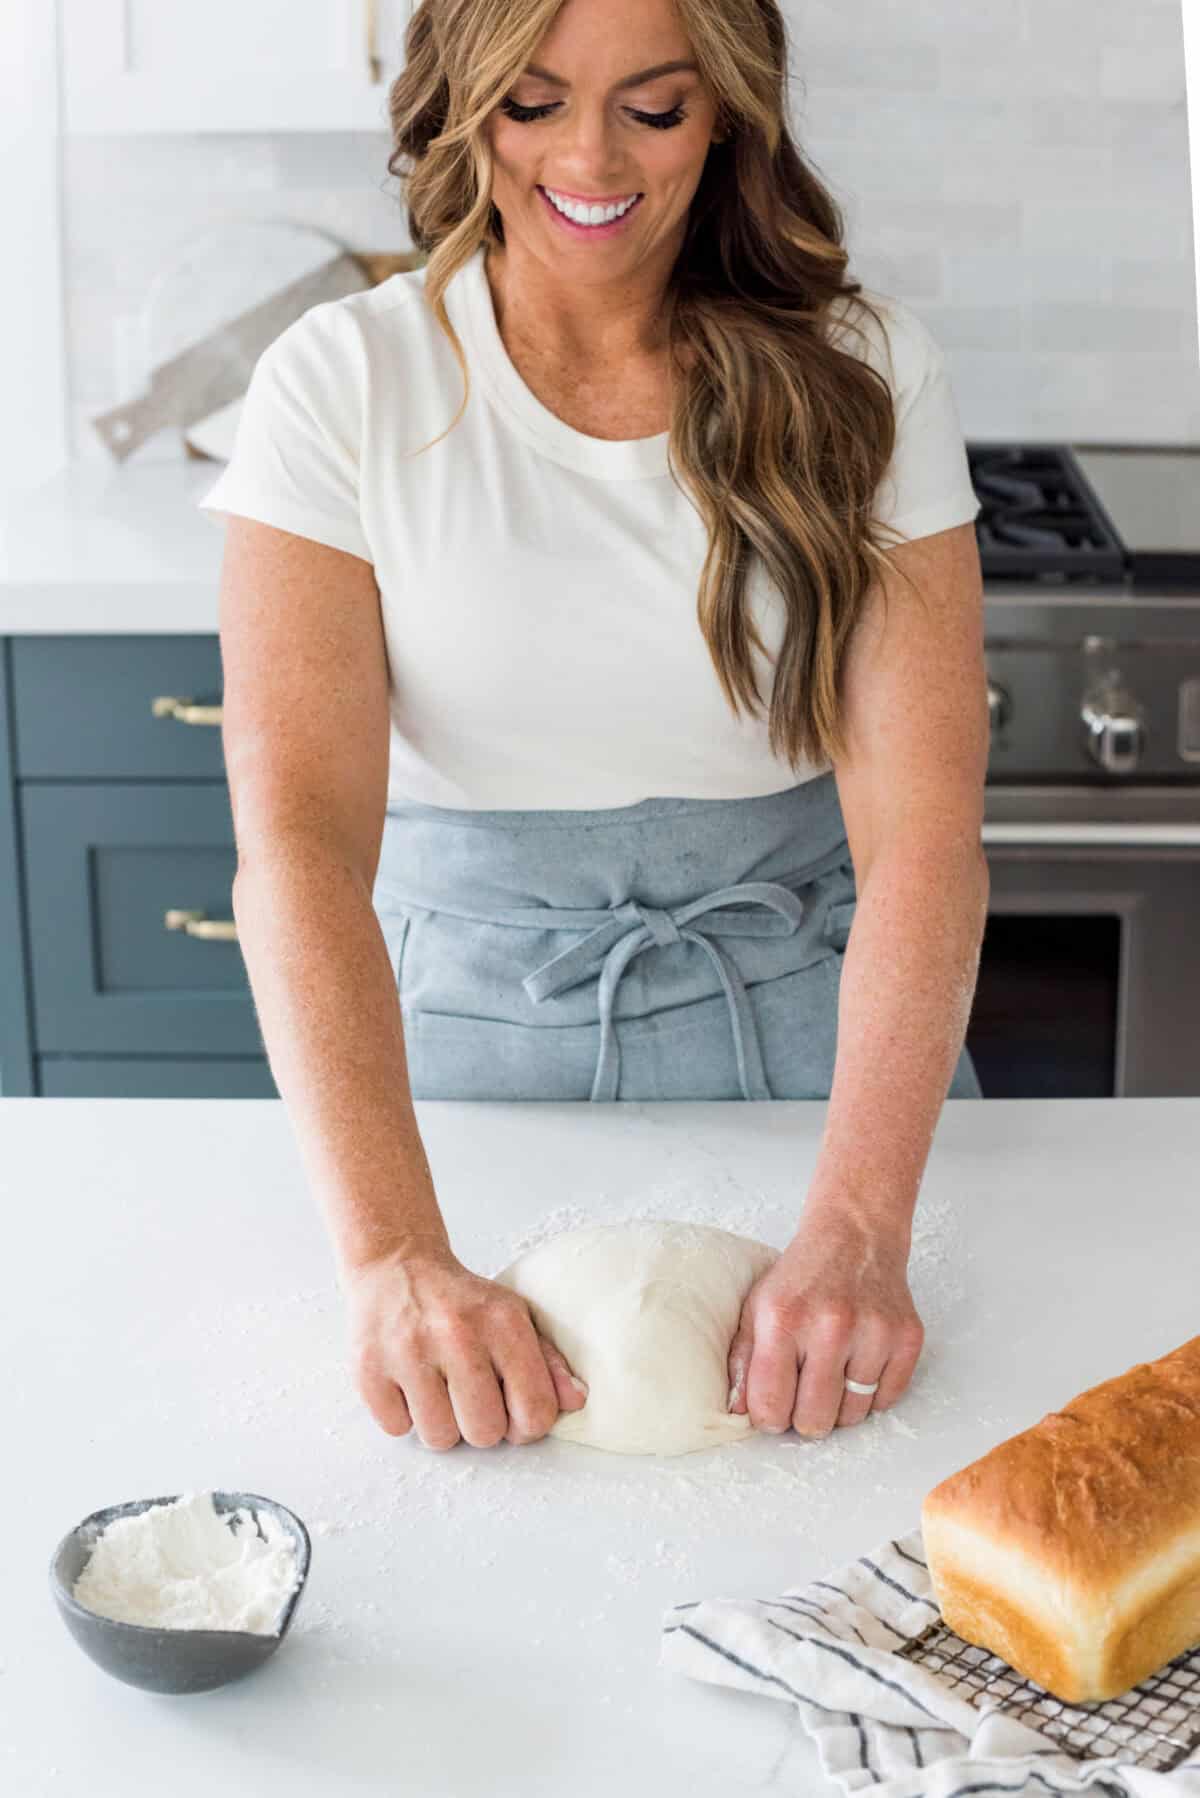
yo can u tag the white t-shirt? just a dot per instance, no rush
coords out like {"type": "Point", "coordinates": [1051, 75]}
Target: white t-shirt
{"type": "Point", "coordinates": [538, 586]}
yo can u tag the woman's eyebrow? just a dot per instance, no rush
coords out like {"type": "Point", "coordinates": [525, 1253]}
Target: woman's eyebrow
{"type": "Point", "coordinates": [662, 68]}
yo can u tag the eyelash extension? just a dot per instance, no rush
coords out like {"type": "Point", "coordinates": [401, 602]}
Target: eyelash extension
{"type": "Point", "coordinates": [661, 121]}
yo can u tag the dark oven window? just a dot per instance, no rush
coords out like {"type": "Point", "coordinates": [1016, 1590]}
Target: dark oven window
{"type": "Point", "coordinates": [1044, 1021]}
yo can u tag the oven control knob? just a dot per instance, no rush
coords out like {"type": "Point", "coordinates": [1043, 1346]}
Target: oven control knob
{"type": "Point", "coordinates": [999, 705]}
{"type": "Point", "coordinates": [1113, 731]}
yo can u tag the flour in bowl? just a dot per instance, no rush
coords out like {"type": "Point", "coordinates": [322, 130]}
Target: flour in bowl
{"type": "Point", "coordinates": [181, 1566]}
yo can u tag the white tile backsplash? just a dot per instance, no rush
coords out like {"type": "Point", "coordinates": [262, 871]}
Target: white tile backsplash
{"type": "Point", "coordinates": [1016, 172]}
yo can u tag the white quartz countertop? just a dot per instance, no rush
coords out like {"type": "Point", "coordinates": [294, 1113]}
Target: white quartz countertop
{"type": "Point", "coordinates": [122, 548]}
{"type": "Point", "coordinates": [113, 547]}
{"type": "Point", "coordinates": [487, 1621]}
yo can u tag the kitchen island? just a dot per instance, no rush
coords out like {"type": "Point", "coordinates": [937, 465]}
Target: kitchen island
{"type": "Point", "coordinates": [487, 1621]}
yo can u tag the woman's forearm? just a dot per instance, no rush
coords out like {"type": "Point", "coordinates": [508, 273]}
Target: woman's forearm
{"type": "Point", "coordinates": [327, 1005]}
{"type": "Point", "coordinates": [907, 983]}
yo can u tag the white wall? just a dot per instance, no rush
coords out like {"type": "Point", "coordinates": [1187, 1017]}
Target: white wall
{"type": "Point", "coordinates": [1017, 171]}
{"type": "Point", "coordinates": [1191, 39]}
{"type": "Point", "coordinates": [34, 440]}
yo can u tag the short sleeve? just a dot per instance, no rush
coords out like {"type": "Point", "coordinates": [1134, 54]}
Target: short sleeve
{"type": "Point", "coordinates": [295, 461]}
{"type": "Point", "coordinates": [927, 485]}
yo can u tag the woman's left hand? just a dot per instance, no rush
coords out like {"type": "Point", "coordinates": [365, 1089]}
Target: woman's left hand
{"type": "Point", "coordinates": [835, 1306]}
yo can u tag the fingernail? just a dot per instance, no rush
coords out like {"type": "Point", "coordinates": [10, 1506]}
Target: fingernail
{"type": "Point", "coordinates": [579, 1385]}
{"type": "Point", "coordinates": [775, 1429]}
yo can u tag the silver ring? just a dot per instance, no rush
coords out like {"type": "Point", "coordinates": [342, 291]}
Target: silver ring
{"type": "Point", "coordinates": [859, 1386]}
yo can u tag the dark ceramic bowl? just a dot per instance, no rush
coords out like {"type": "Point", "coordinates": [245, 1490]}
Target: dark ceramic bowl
{"type": "Point", "coordinates": [170, 1660]}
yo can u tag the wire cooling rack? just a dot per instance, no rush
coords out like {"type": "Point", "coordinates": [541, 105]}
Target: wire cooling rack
{"type": "Point", "coordinates": [1156, 1724]}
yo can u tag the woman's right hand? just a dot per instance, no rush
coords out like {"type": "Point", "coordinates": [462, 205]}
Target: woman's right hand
{"type": "Point", "coordinates": [453, 1353]}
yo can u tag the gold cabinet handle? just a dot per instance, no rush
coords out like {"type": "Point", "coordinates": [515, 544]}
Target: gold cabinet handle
{"type": "Point", "coordinates": [186, 711]}
{"type": "Point", "coordinates": [221, 930]}
{"type": "Point", "coordinates": [372, 24]}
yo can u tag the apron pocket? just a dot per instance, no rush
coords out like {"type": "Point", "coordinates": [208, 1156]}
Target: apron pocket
{"type": "Point", "coordinates": [797, 1027]}
{"type": "Point", "coordinates": [838, 920]}
{"type": "Point", "coordinates": [684, 1052]}
{"type": "Point", "coordinates": [455, 1057]}
{"type": "Point", "coordinates": [396, 952]}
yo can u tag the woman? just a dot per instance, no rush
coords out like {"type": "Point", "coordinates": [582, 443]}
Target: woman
{"type": "Point", "coordinates": [655, 535]}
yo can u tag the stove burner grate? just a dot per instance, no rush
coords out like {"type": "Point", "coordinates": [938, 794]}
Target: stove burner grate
{"type": "Point", "coordinates": [1040, 520]}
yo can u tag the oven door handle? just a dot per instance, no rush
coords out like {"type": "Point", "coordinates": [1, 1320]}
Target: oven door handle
{"type": "Point", "coordinates": [1108, 836]}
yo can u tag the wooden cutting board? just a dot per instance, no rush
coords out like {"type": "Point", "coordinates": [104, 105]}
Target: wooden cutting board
{"type": "Point", "coordinates": [212, 438]}
{"type": "Point", "coordinates": [209, 314]}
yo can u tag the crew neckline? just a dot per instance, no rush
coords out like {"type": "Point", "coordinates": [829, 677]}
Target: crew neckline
{"type": "Point", "coordinates": [605, 458]}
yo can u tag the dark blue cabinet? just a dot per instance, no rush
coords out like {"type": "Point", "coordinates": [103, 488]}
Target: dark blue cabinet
{"type": "Point", "coordinates": [153, 1077]}
{"type": "Point", "coordinates": [120, 971]}
{"type": "Point", "coordinates": [84, 706]}
{"type": "Point", "coordinates": [106, 865]}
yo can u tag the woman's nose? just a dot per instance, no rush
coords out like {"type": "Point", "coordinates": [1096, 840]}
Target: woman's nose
{"type": "Point", "coordinates": [590, 136]}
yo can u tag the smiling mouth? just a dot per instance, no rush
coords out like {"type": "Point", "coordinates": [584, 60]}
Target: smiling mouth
{"type": "Point", "coordinates": [600, 224]}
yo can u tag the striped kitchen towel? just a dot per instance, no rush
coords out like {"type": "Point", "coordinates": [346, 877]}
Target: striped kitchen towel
{"type": "Point", "coordinates": [883, 1722]}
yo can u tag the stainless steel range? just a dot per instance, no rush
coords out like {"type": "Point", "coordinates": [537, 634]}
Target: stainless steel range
{"type": "Point", "coordinates": [1090, 975]}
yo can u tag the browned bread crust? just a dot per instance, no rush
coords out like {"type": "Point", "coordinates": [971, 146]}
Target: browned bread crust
{"type": "Point", "coordinates": [1072, 1550]}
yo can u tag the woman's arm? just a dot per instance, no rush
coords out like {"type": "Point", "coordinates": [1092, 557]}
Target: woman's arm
{"type": "Point", "coordinates": [305, 735]}
{"type": "Point", "coordinates": [306, 749]}
{"type": "Point", "coordinates": [911, 785]}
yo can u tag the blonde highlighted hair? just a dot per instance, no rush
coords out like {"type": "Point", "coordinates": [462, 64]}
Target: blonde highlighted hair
{"type": "Point", "coordinates": [779, 437]}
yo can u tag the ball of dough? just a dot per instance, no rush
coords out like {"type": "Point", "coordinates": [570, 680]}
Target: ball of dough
{"type": "Point", "coordinates": [644, 1312]}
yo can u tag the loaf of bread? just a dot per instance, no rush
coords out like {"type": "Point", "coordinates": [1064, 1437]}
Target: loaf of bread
{"type": "Point", "coordinates": [1072, 1551]}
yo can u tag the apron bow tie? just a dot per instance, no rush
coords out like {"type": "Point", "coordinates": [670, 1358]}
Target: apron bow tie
{"type": "Point", "coordinates": [633, 927]}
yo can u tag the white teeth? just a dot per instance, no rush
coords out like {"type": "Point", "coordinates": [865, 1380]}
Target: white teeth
{"type": "Point", "coordinates": [582, 214]}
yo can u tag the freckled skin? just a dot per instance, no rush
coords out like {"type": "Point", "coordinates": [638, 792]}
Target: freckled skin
{"type": "Point", "coordinates": [306, 737]}
{"type": "Point", "coordinates": [597, 303]}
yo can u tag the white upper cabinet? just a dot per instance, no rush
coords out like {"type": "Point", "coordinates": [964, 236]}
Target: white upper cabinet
{"type": "Point", "coordinates": [230, 65]}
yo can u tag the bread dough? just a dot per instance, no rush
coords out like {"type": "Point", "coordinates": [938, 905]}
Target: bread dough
{"type": "Point", "coordinates": [644, 1312]}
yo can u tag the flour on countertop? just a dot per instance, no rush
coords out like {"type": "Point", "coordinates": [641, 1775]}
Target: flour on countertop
{"type": "Point", "coordinates": [668, 1518]}
{"type": "Point", "coordinates": [182, 1566]}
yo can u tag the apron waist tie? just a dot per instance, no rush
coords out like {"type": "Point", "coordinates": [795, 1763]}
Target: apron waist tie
{"type": "Point", "coordinates": [623, 931]}
{"type": "Point", "coordinates": [633, 927]}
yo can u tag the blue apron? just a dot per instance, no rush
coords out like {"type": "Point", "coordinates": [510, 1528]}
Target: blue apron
{"type": "Point", "coordinates": [671, 949]}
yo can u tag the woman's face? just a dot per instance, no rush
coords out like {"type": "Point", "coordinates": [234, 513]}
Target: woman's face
{"type": "Point", "coordinates": [588, 123]}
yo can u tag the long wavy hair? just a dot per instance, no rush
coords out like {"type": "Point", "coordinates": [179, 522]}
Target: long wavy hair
{"type": "Point", "coordinates": [779, 436]}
